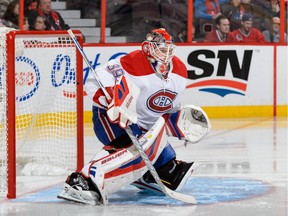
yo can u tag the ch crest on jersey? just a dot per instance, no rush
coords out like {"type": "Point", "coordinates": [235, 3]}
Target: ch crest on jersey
{"type": "Point", "coordinates": [161, 101]}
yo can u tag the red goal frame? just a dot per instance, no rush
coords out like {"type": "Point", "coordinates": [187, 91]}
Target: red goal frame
{"type": "Point", "coordinates": [11, 120]}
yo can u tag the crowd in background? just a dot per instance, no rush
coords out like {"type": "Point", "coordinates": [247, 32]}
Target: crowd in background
{"type": "Point", "coordinates": [244, 17]}
{"type": "Point", "coordinates": [39, 15]}
{"type": "Point", "coordinates": [213, 20]}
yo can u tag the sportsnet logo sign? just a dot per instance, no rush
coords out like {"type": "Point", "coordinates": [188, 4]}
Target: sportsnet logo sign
{"type": "Point", "coordinates": [220, 72]}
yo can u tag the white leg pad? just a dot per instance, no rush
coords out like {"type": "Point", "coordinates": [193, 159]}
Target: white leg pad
{"type": "Point", "coordinates": [113, 171]}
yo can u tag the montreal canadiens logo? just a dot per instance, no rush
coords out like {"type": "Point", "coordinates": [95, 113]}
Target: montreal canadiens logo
{"type": "Point", "coordinates": [161, 101]}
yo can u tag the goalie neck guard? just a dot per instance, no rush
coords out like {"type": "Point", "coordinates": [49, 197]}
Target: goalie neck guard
{"type": "Point", "coordinates": [159, 48]}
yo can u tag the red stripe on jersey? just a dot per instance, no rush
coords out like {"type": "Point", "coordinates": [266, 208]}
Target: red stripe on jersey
{"type": "Point", "coordinates": [175, 127]}
{"type": "Point", "coordinates": [171, 128]}
{"type": "Point", "coordinates": [106, 126]}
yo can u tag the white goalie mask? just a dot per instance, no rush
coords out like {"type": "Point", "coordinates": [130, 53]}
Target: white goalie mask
{"type": "Point", "coordinates": [158, 46]}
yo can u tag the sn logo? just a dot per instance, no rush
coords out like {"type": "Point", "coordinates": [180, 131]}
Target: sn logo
{"type": "Point", "coordinates": [219, 83]}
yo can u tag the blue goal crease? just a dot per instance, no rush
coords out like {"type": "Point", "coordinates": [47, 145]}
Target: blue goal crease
{"type": "Point", "coordinates": [206, 190]}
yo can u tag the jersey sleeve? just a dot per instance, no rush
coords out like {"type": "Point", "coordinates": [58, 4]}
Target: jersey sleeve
{"type": "Point", "coordinates": [107, 75]}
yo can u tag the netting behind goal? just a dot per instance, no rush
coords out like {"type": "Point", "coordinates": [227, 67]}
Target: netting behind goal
{"type": "Point", "coordinates": [41, 106]}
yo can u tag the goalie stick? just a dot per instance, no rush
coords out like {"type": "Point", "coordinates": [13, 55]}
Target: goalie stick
{"type": "Point", "coordinates": [173, 194]}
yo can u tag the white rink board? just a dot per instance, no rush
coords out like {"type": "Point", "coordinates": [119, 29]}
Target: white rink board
{"type": "Point", "coordinates": [257, 89]}
{"type": "Point", "coordinates": [282, 75]}
{"type": "Point", "coordinates": [216, 87]}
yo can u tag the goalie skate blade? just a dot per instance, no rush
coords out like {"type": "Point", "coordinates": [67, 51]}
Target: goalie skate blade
{"type": "Point", "coordinates": [83, 197]}
{"type": "Point", "coordinates": [71, 199]}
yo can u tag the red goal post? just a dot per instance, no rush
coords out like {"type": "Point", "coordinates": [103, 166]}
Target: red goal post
{"type": "Point", "coordinates": [41, 105]}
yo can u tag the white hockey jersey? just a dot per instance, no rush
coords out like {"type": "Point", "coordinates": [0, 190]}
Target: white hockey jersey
{"type": "Point", "coordinates": [157, 96]}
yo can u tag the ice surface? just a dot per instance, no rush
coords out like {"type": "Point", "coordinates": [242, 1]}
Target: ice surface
{"type": "Point", "coordinates": [243, 171]}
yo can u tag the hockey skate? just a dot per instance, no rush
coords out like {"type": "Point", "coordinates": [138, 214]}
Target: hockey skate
{"type": "Point", "coordinates": [173, 175]}
{"type": "Point", "coordinates": [78, 189]}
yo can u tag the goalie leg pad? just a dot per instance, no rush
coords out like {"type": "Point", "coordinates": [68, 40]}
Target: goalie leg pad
{"type": "Point", "coordinates": [110, 172]}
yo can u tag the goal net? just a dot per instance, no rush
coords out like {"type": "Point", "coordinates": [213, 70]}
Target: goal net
{"type": "Point", "coordinates": [41, 106]}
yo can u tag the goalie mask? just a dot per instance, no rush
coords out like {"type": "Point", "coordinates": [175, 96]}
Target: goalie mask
{"type": "Point", "coordinates": [158, 46]}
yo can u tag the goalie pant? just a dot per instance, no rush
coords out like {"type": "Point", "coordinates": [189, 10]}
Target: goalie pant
{"type": "Point", "coordinates": [115, 136]}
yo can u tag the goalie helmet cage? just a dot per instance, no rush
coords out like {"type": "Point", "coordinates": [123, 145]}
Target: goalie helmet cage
{"type": "Point", "coordinates": [41, 131]}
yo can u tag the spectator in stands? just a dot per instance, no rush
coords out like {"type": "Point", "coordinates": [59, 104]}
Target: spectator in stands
{"type": "Point", "coordinates": [3, 6]}
{"type": "Point", "coordinates": [29, 5]}
{"type": "Point", "coordinates": [257, 9]}
{"type": "Point", "coordinates": [223, 2]}
{"type": "Point", "coordinates": [45, 9]}
{"type": "Point", "coordinates": [25, 24]}
{"type": "Point", "coordinates": [273, 34]}
{"type": "Point", "coordinates": [247, 33]}
{"type": "Point", "coordinates": [42, 23]}
{"type": "Point", "coordinates": [207, 10]}
{"type": "Point", "coordinates": [248, 7]}
{"type": "Point", "coordinates": [263, 12]}
{"type": "Point", "coordinates": [275, 7]}
{"type": "Point", "coordinates": [272, 10]}
{"type": "Point", "coordinates": [234, 11]}
{"type": "Point", "coordinates": [182, 35]}
{"type": "Point", "coordinates": [222, 32]}
{"type": "Point", "coordinates": [11, 15]}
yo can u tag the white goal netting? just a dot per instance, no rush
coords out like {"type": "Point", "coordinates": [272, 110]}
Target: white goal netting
{"type": "Point", "coordinates": [45, 105]}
